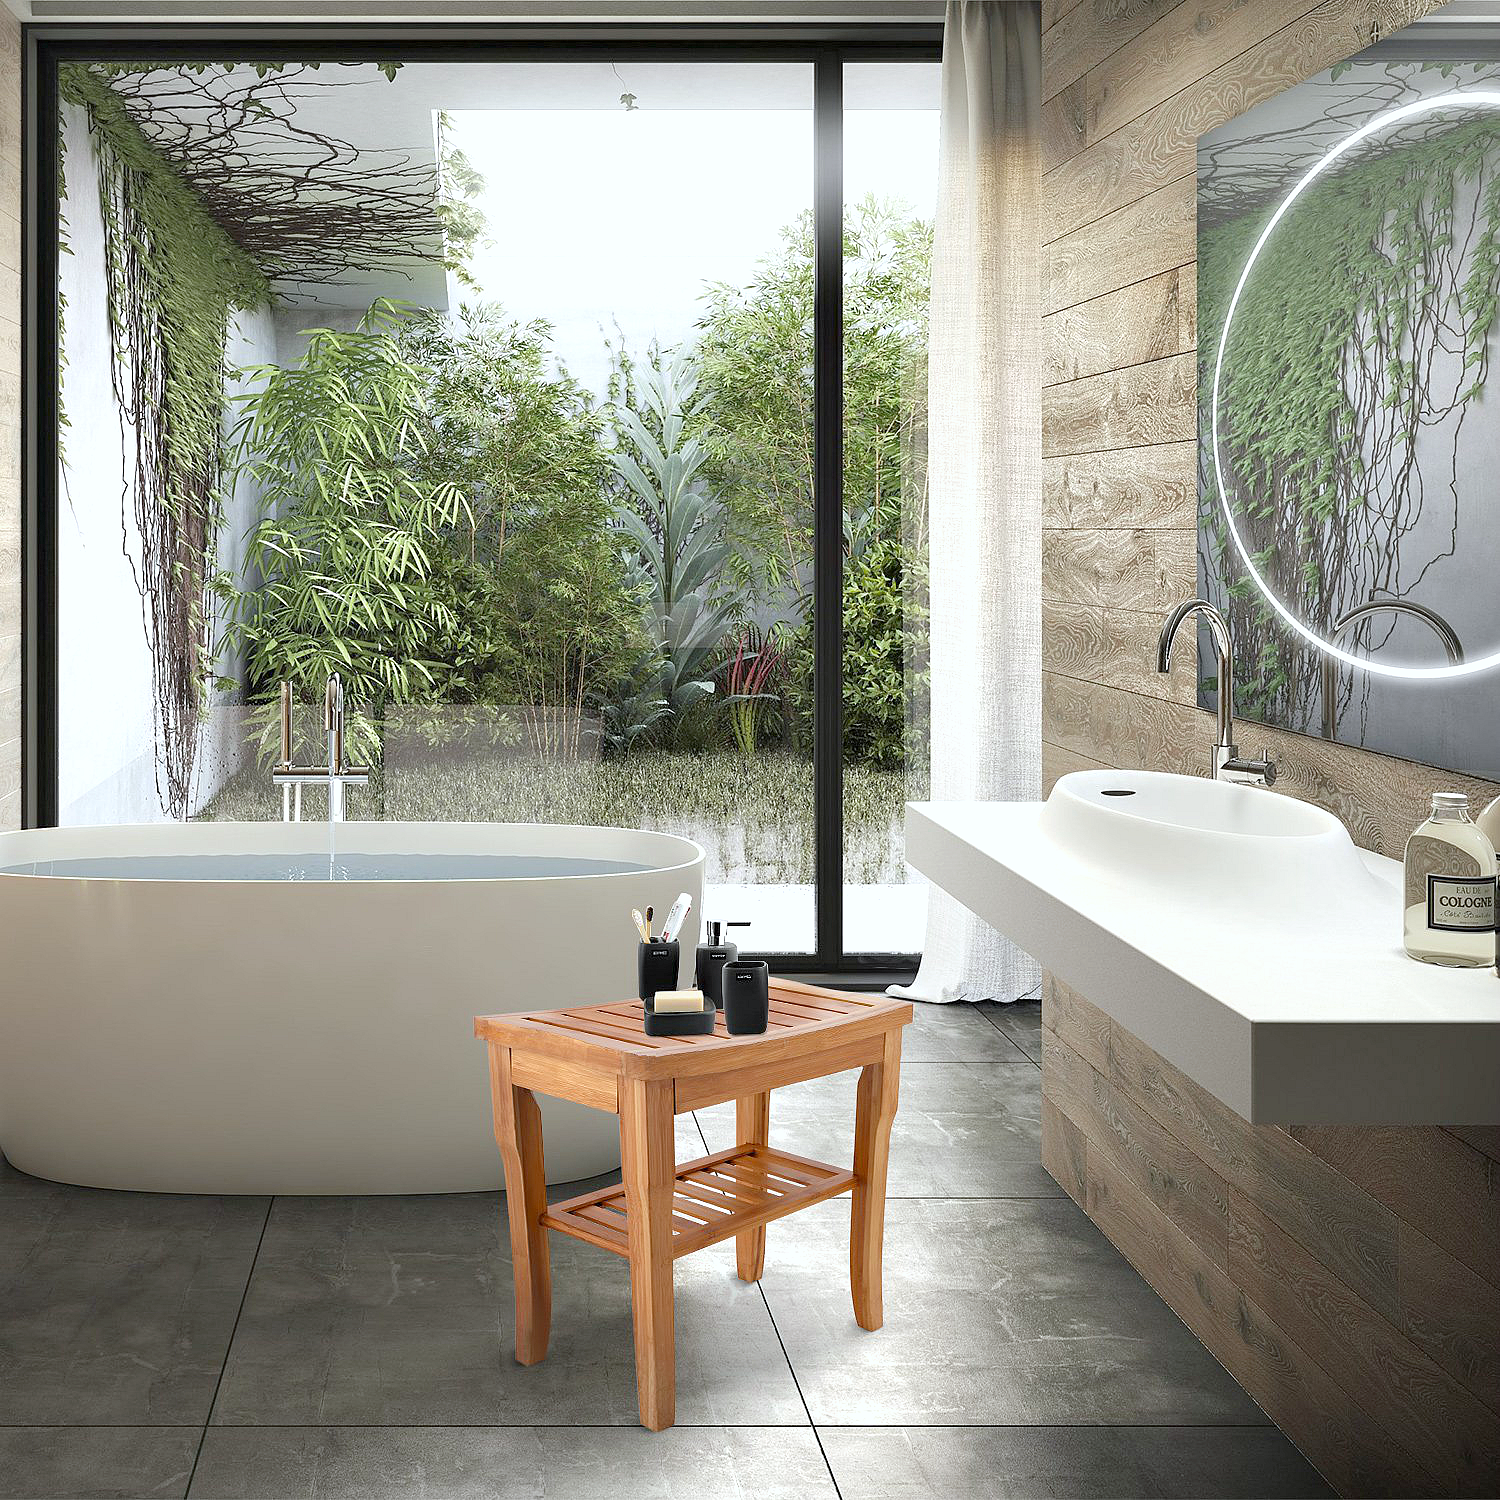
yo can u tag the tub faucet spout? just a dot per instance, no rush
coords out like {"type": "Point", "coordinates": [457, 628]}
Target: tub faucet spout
{"type": "Point", "coordinates": [338, 775]}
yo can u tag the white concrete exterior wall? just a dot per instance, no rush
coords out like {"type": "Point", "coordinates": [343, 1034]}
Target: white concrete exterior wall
{"type": "Point", "coordinates": [106, 728]}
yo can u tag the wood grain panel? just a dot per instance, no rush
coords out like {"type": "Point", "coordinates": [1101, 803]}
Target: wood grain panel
{"type": "Point", "coordinates": [1161, 145]}
{"type": "Point", "coordinates": [1085, 34]}
{"type": "Point", "coordinates": [1133, 326]}
{"type": "Point", "coordinates": [1054, 10]}
{"type": "Point", "coordinates": [1077, 1023]}
{"type": "Point", "coordinates": [1452, 1434]}
{"type": "Point", "coordinates": [1190, 41]}
{"type": "Point", "coordinates": [1350, 1233]}
{"type": "Point", "coordinates": [1062, 124]}
{"type": "Point", "coordinates": [1136, 407]}
{"type": "Point", "coordinates": [1155, 233]}
{"type": "Point", "coordinates": [1484, 1139]}
{"type": "Point", "coordinates": [1137, 487]}
{"type": "Point", "coordinates": [1352, 1448]}
{"type": "Point", "coordinates": [1082, 640]}
{"type": "Point", "coordinates": [1450, 1312]}
{"type": "Point", "coordinates": [1137, 570]}
{"type": "Point", "coordinates": [1177, 1182]}
{"type": "Point", "coordinates": [1063, 1152]}
{"type": "Point", "coordinates": [1425, 1175]}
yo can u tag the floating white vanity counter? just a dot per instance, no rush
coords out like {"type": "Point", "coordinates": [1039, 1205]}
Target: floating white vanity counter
{"type": "Point", "coordinates": [1237, 932]}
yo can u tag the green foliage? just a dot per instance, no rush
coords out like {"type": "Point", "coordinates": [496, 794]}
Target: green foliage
{"type": "Point", "coordinates": [674, 526]}
{"type": "Point", "coordinates": [188, 273]}
{"type": "Point", "coordinates": [349, 546]}
{"type": "Point", "coordinates": [173, 281]}
{"type": "Point", "coordinates": [885, 659]}
{"type": "Point", "coordinates": [463, 221]}
{"type": "Point", "coordinates": [748, 676]}
{"type": "Point", "coordinates": [753, 829]}
{"type": "Point", "coordinates": [755, 347]}
{"type": "Point", "coordinates": [1329, 383]}
{"type": "Point", "coordinates": [523, 444]}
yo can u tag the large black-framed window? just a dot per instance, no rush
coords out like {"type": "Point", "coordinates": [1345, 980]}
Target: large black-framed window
{"type": "Point", "coordinates": [826, 49]}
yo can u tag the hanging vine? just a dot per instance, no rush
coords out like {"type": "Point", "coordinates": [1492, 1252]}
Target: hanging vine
{"type": "Point", "coordinates": [306, 204]}
{"type": "Point", "coordinates": [215, 194]}
{"type": "Point", "coordinates": [1364, 333]}
{"type": "Point", "coordinates": [174, 279]}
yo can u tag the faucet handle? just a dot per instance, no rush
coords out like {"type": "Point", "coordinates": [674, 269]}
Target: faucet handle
{"type": "Point", "coordinates": [1268, 767]}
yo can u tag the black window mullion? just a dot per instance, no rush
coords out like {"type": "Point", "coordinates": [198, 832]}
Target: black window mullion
{"type": "Point", "coordinates": [828, 503]}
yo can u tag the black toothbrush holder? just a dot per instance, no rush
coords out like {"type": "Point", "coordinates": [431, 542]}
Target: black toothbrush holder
{"type": "Point", "coordinates": [656, 966]}
{"type": "Point", "coordinates": [747, 996]}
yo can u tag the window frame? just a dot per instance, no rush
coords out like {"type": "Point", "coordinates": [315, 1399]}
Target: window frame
{"type": "Point", "coordinates": [826, 48]}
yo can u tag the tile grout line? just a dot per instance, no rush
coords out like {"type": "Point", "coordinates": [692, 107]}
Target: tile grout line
{"type": "Point", "coordinates": [229, 1346]}
{"type": "Point", "coordinates": [1008, 1037]}
{"type": "Point", "coordinates": [791, 1370]}
{"type": "Point", "coordinates": [797, 1384]}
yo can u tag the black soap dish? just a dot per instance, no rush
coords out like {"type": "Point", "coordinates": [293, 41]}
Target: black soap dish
{"type": "Point", "coordinates": [679, 1022]}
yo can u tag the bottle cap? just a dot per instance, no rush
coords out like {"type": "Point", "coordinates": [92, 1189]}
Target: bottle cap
{"type": "Point", "coordinates": [1450, 802]}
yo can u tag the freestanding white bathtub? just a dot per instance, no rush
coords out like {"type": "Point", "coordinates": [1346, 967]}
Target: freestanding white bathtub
{"type": "Point", "coordinates": [199, 1008]}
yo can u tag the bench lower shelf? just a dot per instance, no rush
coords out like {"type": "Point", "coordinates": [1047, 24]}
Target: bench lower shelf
{"type": "Point", "coordinates": [713, 1198]}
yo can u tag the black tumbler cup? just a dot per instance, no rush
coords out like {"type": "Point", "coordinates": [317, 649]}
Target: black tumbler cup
{"type": "Point", "coordinates": [656, 966]}
{"type": "Point", "coordinates": [747, 996]}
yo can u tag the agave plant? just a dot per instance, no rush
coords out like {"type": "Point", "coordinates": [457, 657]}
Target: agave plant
{"type": "Point", "coordinates": [674, 524]}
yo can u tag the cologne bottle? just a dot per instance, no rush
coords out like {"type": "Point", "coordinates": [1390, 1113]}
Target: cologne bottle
{"type": "Point", "coordinates": [1450, 888]}
{"type": "Point", "coordinates": [1489, 823]}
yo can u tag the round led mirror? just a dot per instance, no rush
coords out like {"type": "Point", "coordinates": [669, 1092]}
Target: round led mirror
{"type": "Point", "coordinates": [1293, 512]}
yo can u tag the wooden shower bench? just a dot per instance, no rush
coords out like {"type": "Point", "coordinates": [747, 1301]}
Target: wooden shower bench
{"type": "Point", "coordinates": [600, 1056]}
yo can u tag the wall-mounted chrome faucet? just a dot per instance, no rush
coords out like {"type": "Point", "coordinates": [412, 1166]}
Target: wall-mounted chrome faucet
{"type": "Point", "coordinates": [1440, 628]}
{"type": "Point", "coordinates": [1227, 764]}
{"type": "Point", "coordinates": [291, 779]}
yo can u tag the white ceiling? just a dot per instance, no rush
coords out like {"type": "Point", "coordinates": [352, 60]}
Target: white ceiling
{"type": "Point", "coordinates": [383, 119]}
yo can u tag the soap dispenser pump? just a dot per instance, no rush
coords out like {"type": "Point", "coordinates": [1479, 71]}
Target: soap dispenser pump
{"type": "Point", "coordinates": [712, 956]}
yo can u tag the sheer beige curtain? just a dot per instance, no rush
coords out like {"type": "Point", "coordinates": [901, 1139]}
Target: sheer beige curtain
{"type": "Point", "coordinates": [985, 462]}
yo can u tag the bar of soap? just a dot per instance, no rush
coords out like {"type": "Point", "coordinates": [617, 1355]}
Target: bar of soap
{"type": "Point", "coordinates": [677, 1001]}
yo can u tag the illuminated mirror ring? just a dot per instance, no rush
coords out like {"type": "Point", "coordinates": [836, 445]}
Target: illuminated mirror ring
{"type": "Point", "coordinates": [1477, 99]}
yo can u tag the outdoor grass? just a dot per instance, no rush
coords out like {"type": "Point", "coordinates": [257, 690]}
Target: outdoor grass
{"type": "Point", "coordinates": [753, 816]}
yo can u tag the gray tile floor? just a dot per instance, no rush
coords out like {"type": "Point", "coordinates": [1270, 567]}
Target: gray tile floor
{"type": "Point", "coordinates": [360, 1347]}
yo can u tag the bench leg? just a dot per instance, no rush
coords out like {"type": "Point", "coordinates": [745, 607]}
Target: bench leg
{"type": "Point", "coordinates": [752, 1118]}
{"type": "Point", "coordinates": [649, 1167]}
{"type": "Point", "coordinates": [518, 1131]}
{"type": "Point", "coordinates": [875, 1110]}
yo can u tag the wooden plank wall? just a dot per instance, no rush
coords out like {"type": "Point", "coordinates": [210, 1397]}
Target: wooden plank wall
{"type": "Point", "coordinates": [1349, 1279]}
{"type": "Point", "coordinates": [10, 420]}
{"type": "Point", "coordinates": [1130, 85]}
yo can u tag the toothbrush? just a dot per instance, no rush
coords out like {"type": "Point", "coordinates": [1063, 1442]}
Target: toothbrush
{"type": "Point", "coordinates": [640, 924]}
{"type": "Point", "coordinates": [650, 912]}
{"type": "Point", "coordinates": [676, 917]}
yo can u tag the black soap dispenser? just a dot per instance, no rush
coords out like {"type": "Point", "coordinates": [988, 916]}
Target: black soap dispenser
{"type": "Point", "coordinates": [712, 956]}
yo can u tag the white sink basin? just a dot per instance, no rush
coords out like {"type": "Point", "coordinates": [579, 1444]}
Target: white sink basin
{"type": "Point", "coordinates": [1212, 839]}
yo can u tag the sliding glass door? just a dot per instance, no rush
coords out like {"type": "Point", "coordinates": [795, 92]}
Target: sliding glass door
{"type": "Point", "coordinates": [568, 401]}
